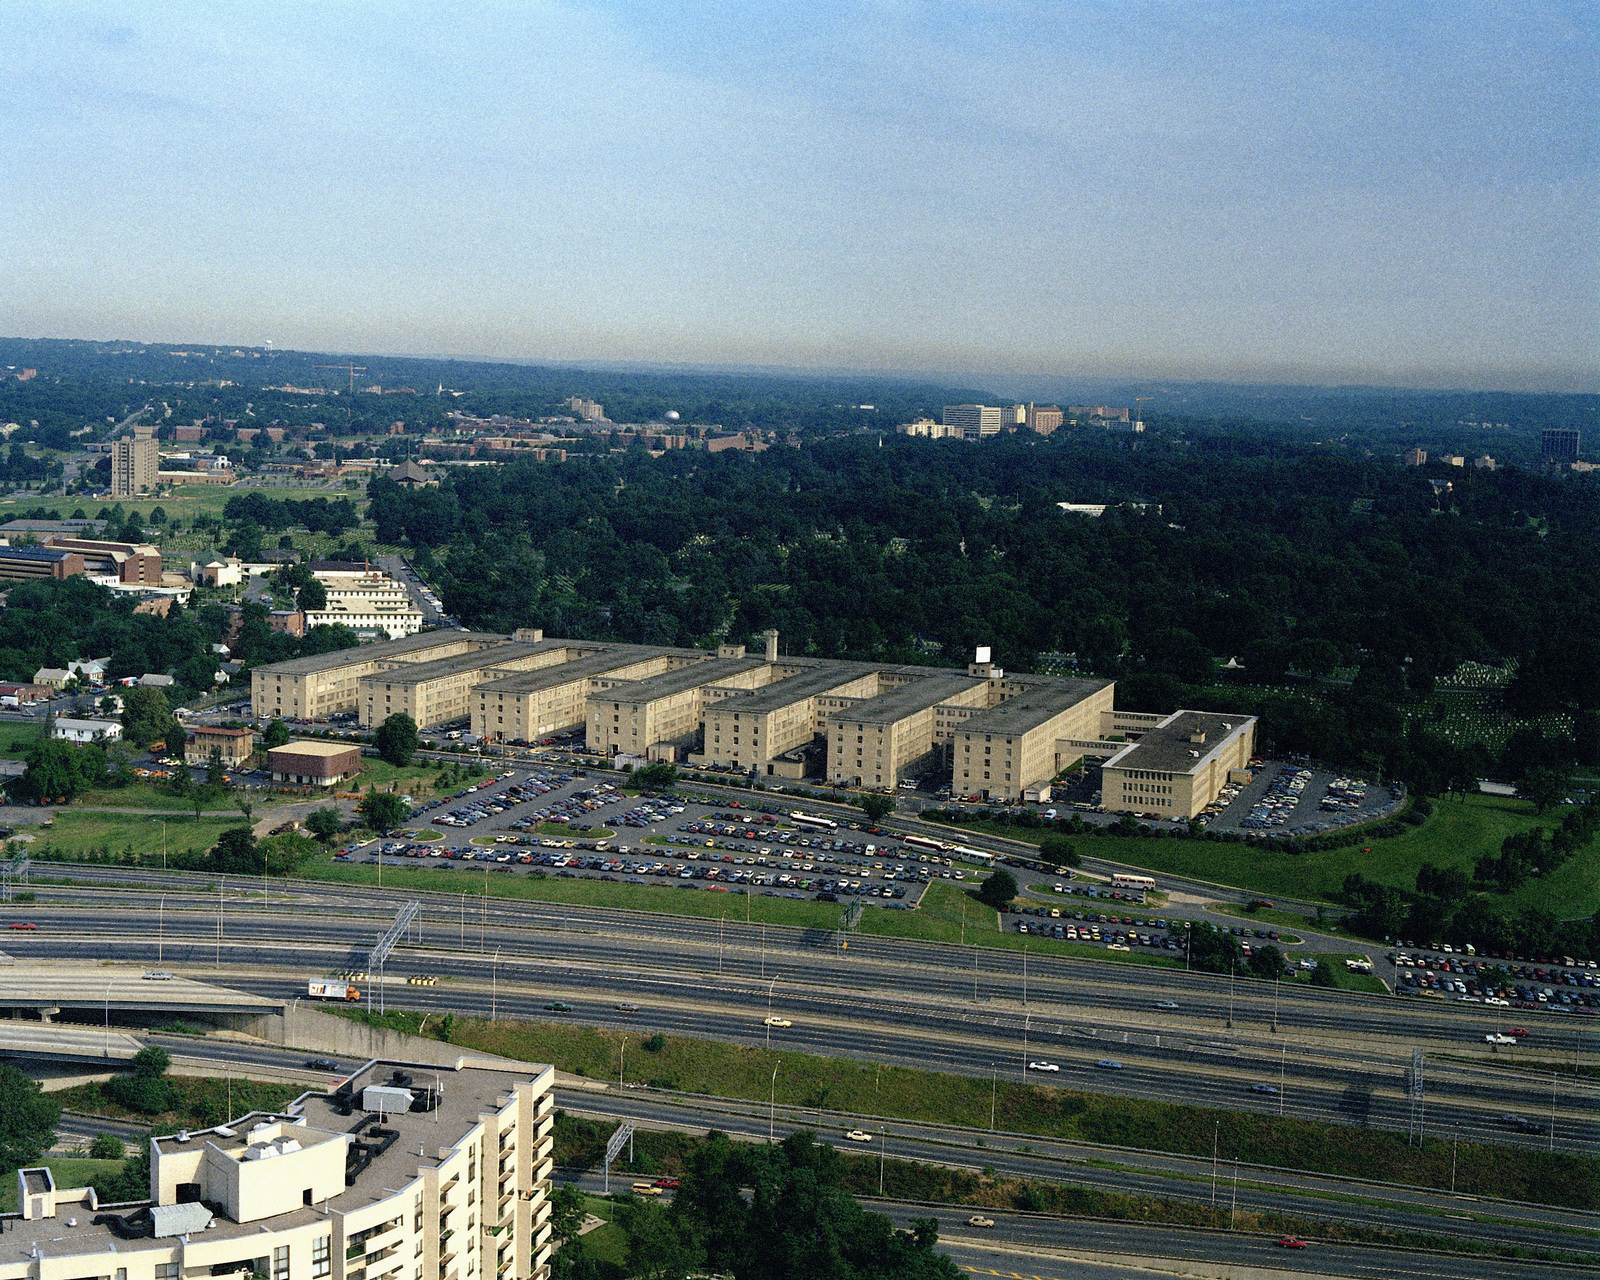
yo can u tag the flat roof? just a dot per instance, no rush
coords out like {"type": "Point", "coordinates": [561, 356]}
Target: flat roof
{"type": "Point", "coordinates": [706, 671]}
{"type": "Point", "coordinates": [584, 668]}
{"type": "Point", "coordinates": [321, 750]}
{"type": "Point", "coordinates": [1037, 704]}
{"type": "Point", "coordinates": [50, 554]}
{"type": "Point", "coordinates": [1167, 749]}
{"type": "Point", "coordinates": [816, 680]}
{"type": "Point", "coordinates": [907, 700]}
{"type": "Point", "coordinates": [443, 668]}
{"type": "Point", "coordinates": [419, 643]}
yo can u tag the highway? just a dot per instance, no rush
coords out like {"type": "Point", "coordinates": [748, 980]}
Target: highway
{"type": "Point", "coordinates": [1334, 1057]}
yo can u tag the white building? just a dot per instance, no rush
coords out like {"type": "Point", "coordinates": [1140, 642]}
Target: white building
{"type": "Point", "coordinates": [973, 420]}
{"type": "Point", "coordinates": [70, 730]}
{"type": "Point", "coordinates": [405, 1172]}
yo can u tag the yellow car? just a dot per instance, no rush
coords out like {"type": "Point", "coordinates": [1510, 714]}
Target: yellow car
{"type": "Point", "coordinates": [776, 1022]}
{"type": "Point", "coordinates": [978, 1220]}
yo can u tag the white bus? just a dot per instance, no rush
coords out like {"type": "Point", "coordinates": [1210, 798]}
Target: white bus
{"type": "Point", "coordinates": [925, 843]}
{"type": "Point", "coordinates": [972, 855]}
{"type": "Point", "coordinates": [812, 822]}
{"type": "Point", "coordinates": [1123, 880]}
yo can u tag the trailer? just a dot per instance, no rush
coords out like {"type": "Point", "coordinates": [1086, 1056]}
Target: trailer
{"type": "Point", "coordinates": [332, 991]}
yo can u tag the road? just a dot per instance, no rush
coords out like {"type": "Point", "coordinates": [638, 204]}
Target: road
{"type": "Point", "coordinates": [1335, 1057]}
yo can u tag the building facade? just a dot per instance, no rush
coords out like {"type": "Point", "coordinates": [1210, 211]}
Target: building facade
{"type": "Point", "coordinates": [1179, 764]}
{"type": "Point", "coordinates": [234, 746]}
{"type": "Point", "coordinates": [134, 464]}
{"type": "Point", "coordinates": [973, 421]}
{"type": "Point", "coordinates": [314, 764]}
{"type": "Point", "coordinates": [405, 1172]}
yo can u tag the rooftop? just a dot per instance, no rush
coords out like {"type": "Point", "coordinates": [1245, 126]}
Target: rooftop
{"type": "Point", "coordinates": [321, 750]}
{"type": "Point", "coordinates": [908, 699]}
{"type": "Point", "coordinates": [669, 683]}
{"type": "Point", "coordinates": [48, 554]}
{"type": "Point", "coordinates": [1167, 748]}
{"type": "Point", "coordinates": [810, 683]}
{"type": "Point", "coordinates": [442, 668]}
{"type": "Point", "coordinates": [1035, 705]}
{"type": "Point", "coordinates": [401, 649]}
{"type": "Point", "coordinates": [590, 665]}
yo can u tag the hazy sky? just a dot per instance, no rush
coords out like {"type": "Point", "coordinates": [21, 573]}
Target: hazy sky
{"type": "Point", "coordinates": [1399, 192]}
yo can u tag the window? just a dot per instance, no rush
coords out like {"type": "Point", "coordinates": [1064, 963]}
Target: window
{"type": "Point", "coordinates": [280, 1262]}
{"type": "Point", "coordinates": [166, 1271]}
{"type": "Point", "coordinates": [321, 1258]}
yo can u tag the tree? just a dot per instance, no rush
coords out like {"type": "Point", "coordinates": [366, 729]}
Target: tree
{"type": "Point", "coordinates": [1266, 962]}
{"type": "Point", "coordinates": [383, 811]}
{"type": "Point", "coordinates": [1544, 787]}
{"type": "Point", "coordinates": [313, 597]}
{"type": "Point", "coordinates": [397, 739]}
{"type": "Point", "coordinates": [216, 771]}
{"type": "Point", "coordinates": [566, 1212]}
{"type": "Point", "coordinates": [58, 770]}
{"type": "Point", "coordinates": [1322, 975]}
{"type": "Point", "coordinates": [277, 735]}
{"type": "Point", "coordinates": [876, 807]}
{"type": "Point", "coordinates": [107, 1146]}
{"type": "Point", "coordinates": [235, 852]}
{"type": "Point", "coordinates": [1211, 950]}
{"type": "Point", "coordinates": [28, 1118]}
{"type": "Point", "coordinates": [1058, 852]}
{"type": "Point", "coordinates": [325, 823]}
{"type": "Point", "coordinates": [998, 889]}
{"type": "Point", "coordinates": [147, 718]}
{"type": "Point", "coordinates": [145, 1089]}
{"type": "Point", "coordinates": [661, 776]}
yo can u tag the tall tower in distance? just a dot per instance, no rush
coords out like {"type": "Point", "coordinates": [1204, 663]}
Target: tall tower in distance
{"type": "Point", "coordinates": [134, 464]}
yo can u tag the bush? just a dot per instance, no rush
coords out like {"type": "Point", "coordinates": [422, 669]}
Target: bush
{"type": "Point", "coordinates": [107, 1146]}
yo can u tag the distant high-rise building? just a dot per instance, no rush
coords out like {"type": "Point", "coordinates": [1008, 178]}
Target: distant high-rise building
{"type": "Point", "coordinates": [1560, 443]}
{"type": "Point", "coordinates": [588, 410]}
{"type": "Point", "coordinates": [1044, 418]}
{"type": "Point", "coordinates": [1013, 415]}
{"type": "Point", "coordinates": [1098, 412]}
{"type": "Point", "coordinates": [134, 464]}
{"type": "Point", "coordinates": [1415, 457]}
{"type": "Point", "coordinates": [973, 420]}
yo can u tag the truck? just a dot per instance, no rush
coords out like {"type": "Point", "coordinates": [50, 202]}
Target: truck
{"type": "Point", "coordinates": [331, 991]}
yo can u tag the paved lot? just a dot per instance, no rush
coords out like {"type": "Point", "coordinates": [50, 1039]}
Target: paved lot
{"type": "Point", "coordinates": [1289, 799]}
{"type": "Point", "coordinates": [716, 845]}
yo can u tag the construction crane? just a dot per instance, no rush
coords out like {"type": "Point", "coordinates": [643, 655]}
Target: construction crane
{"type": "Point", "coordinates": [353, 369]}
{"type": "Point", "coordinates": [1138, 406]}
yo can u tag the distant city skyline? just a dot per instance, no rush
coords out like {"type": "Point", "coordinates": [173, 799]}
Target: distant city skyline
{"type": "Point", "coordinates": [1371, 194]}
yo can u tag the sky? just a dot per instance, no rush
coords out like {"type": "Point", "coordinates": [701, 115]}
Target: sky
{"type": "Point", "coordinates": [1401, 193]}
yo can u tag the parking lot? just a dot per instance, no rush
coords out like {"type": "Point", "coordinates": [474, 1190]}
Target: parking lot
{"type": "Point", "coordinates": [1561, 984]}
{"type": "Point", "coordinates": [566, 824]}
{"type": "Point", "coordinates": [1296, 800]}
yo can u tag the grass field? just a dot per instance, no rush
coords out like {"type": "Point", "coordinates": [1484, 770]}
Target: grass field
{"type": "Point", "coordinates": [87, 830]}
{"type": "Point", "coordinates": [1456, 834]}
{"type": "Point", "coordinates": [864, 1088]}
{"type": "Point", "coordinates": [68, 1172]}
{"type": "Point", "coordinates": [16, 739]}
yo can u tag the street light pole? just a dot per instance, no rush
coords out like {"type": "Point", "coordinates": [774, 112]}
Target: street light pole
{"type": "Point", "coordinates": [772, 1094]}
{"type": "Point", "coordinates": [622, 1060]}
{"type": "Point", "coordinates": [161, 928]}
{"type": "Point", "coordinates": [1230, 993]}
{"type": "Point", "coordinates": [994, 1085]}
{"type": "Point", "coordinates": [1024, 975]}
{"type": "Point", "coordinates": [1215, 1134]}
{"type": "Point", "coordinates": [1025, 1020]}
{"type": "Point", "coordinates": [768, 1023]}
{"type": "Point", "coordinates": [494, 985]}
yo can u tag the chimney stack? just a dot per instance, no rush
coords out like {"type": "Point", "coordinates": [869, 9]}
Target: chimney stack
{"type": "Point", "coordinates": [772, 644]}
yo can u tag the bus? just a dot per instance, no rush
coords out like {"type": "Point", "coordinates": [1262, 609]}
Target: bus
{"type": "Point", "coordinates": [972, 855]}
{"type": "Point", "coordinates": [812, 822]}
{"type": "Point", "coordinates": [1126, 881]}
{"type": "Point", "coordinates": [924, 843]}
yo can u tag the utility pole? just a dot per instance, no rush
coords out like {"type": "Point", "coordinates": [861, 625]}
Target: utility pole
{"type": "Point", "coordinates": [1216, 1133]}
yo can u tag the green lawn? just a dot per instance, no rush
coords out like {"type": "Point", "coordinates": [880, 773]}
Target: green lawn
{"type": "Point", "coordinates": [69, 1172]}
{"type": "Point", "coordinates": [149, 795]}
{"type": "Point", "coordinates": [16, 740]}
{"type": "Point", "coordinates": [88, 830]}
{"type": "Point", "coordinates": [1456, 834]}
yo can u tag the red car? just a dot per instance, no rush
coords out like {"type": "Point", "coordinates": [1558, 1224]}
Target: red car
{"type": "Point", "coordinates": [34, 926]}
{"type": "Point", "coordinates": [669, 1184]}
{"type": "Point", "coordinates": [1510, 1031]}
{"type": "Point", "coordinates": [1291, 1242]}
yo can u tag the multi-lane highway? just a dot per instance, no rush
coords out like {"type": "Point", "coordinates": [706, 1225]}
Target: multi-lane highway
{"type": "Point", "coordinates": [969, 1010]}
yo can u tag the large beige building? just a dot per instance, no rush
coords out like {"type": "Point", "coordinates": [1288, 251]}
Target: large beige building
{"type": "Point", "coordinates": [135, 464]}
{"type": "Point", "coordinates": [320, 686]}
{"type": "Point", "coordinates": [405, 1172]}
{"type": "Point", "coordinates": [1178, 765]}
{"type": "Point", "coordinates": [973, 421]}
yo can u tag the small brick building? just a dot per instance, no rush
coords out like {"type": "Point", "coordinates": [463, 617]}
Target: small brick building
{"type": "Point", "coordinates": [316, 764]}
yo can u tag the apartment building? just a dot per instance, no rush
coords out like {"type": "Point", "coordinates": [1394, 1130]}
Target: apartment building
{"type": "Point", "coordinates": [535, 704]}
{"type": "Point", "coordinates": [364, 599]}
{"type": "Point", "coordinates": [440, 691]}
{"type": "Point", "coordinates": [404, 1172]}
{"type": "Point", "coordinates": [662, 716]}
{"type": "Point", "coordinates": [329, 683]}
{"type": "Point", "coordinates": [135, 464]}
{"type": "Point", "coordinates": [1178, 765]}
{"type": "Point", "coordinates": [973, 421]}
{"type": "Point", "coordinates": [1044, 418]}
{"type": "Point", "coordinates": [1027, 735]}
{"type": "Point", "coordinates": [752, 729]}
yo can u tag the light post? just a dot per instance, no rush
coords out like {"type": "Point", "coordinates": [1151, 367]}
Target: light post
{"type": "Point", "coordinates": [1024, 975]}
{"type": "Point", "coordinates": [163, 844]}
{"type": "Point", "coordinates": [772, 1094]}
{"type": "Point", "coordinates": [463, 919]}
{"type": "Point", "coordinates": [722, 921]}
{"type": "Point", "coordinates": [161, 928]}
{"type": "Point", "coordinates": [494, 985]}
{"type": "Point", "coordinates": [220, 886]}
{"type": "Point", "coordinates": [1275, 1003]}
{"type": "Point", "coordinates": [1283, 1056]}
{"type": "Point", "coordinates": [108, 1021]}
{"type": "Point", "coordinates": [994, 1085]}
{"type": "Point", "coordinates": [1215, 1134]}
{"type": "Point", "coordinates": [1025, 1020]}
{"type": "Point", "coordinates": [622, 1060]}
{"type": "Point", "coordinates": [881, 1145]}
{"type": "Point", "coordinates": [1230, 993]}
{"type": "Point", "coordinates": [768, 1023]}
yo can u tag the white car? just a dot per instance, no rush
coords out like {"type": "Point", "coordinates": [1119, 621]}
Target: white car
{"type": "Point", "coordinates": [858, 1135]}
{"type": "Point", "coordinates": [158, 975]}
{"type": "Point", "coordinates": [776, 1022]}
{"type": "Point", "coordinates": [1043, 1066]}
{"type": "Point", "coordinates": [978, 1220]}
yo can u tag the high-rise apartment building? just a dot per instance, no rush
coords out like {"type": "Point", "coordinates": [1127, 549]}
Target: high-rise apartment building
{"type": "Point", "coordinates": [404, 1172]}
{"type": "Point", "coordinates": [134, 464]}
{"type": "Point", "coordinates": [1044, 418]}
{"type": "Point", "coordinates": [1560, 443]}
{"type": "Point", "coordinates": [973, 420]}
